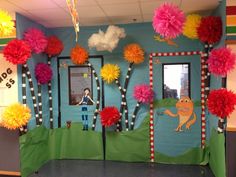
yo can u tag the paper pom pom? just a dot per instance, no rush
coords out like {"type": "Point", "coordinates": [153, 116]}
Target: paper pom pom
{"type": "Point", "coordinates": [6, 24]}
{"type": "Point", "coordinates": [133, 53]}
{"type": "Point", "coordinates": [43, 73]}
{"type": "Point", "coordinates": [210, 29]}
{"type": "Point", "coordinates": [78, 55]}
{"type": "Point", "coordinates": [221, 61]}
{"type": "Point", "coordinates": [168, 21]}
{"type": "Point", "coordinates": [15, 116]}
{"type": "Point", "coordinates": [54, 47]}
{"type": "Point", "coordinates": [221, 102]}
{"type": "Point", "coordinates": [110, 72]}
{"type": "Point", "coordinates": [36, 40]}
{"type": "Point", "coordinates": [109, 116]}
{"type": "Point", "coordinates": [190, 26]}
{"type": "Point", "coordinates": [143, 93]}
{"type": "Point", "coordinates": [17, 52]}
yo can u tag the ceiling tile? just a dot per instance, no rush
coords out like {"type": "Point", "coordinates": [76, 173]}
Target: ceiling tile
{"type": "Point", "coordinates": [51, 14]}
{"type": "Point", "coordinates": [147, 17]}
{"type": "Point", "coordinates": [149, 6]}
{"type": "Point", "coordinates": [94, 21]}
{"type": "Point", "coordinates": [62, 3]}
{"type": "Point", "coordinates": [57, 23]}
{"type": "Point", "coordinates": [34, 4]}
{"type": "Point", "coordinates": [121, 9]}
{"type": "Point", "coordinates": [87, 12]}
{"type": "Point", "coordinates": [116, 1]}
{"type": "Point", "coordinates": [187, 5]}
{"type": "Point", "coordinates": [127, 19]}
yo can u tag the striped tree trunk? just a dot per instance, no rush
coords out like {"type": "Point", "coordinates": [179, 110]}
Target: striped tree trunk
{"type": "Point", "coordinates": [32, 95]}
{"type": "Point", "coordinates": [50, 98]}
{"type": "Point", "coordinates": [123, 107]}
{"type": "Point", "coordinates": [98, 96]}
{"type": "Point", "coordinates": [24, 100]}
{"type": "Point", "coordinates": [40, 103]}
{"type": "Point", "coordinates": [134, 115]}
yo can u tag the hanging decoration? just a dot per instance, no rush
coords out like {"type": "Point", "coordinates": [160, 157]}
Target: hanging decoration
{"type": "Point", "coordinates": [15, 116]}
{"type": "Point", "coordinates": [221, 103]}
{"type": "Point", "coordinates": [210, 29]}
{"type": "Point", "coordinates": [7, 25]}
{"type": "Point", "coordinates": [221, 61]}
{"type": "Point", "coordinates": [53, 49]}
{"type": "Point", "coordinates": [72, 6]}
{"type": "Point", "coordinates": [109, 116]}
{"type": "Point", "coordinates": [78, 55]}
{"type": "Point", "coordinates": [107, 41]}
{"type": "Point", "coordinates": [36, 40]}
{"type": "Point", "coordinates": [54, 46]}
{"type": "Point", "coordinates": [191, 25]}
{"type": "Point", "coordinates": [17, 52]}
{"type": "Point", "coordinates": [168, 21]}
{"type": "Point", "coordinates": [143, 94]}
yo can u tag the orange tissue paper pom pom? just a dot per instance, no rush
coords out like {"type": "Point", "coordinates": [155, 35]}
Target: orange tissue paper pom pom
{"type": "Point", "coordinates": [78, 55]}
{"type": "Point", "coordinates": [133, 53]}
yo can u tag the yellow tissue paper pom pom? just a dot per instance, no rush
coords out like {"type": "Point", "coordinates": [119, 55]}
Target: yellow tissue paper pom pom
{"type": "Point", "coordinates": [6, 24]}
{"type": "Point", "coordinates": [133, 53]}
{"type": "Point", "coordinates": [110, 72]}
{"type": "Point", "coordinates": [190, 26]}
{"type": "Point", "coordinates": [15, 116]}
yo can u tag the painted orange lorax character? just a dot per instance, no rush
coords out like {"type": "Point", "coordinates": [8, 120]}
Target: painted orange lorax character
{"type": "Point", "coordinates": [185, 111]}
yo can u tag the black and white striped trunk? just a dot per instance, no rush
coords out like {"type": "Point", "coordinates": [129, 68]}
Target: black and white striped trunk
{"type": "Point", "coordinates": [24, 98]}
{"type": "Point", "coordinates": [96, 112]}
{"type": "Point", "coordinates": [123, 108]}
{"type": "Point", "coordinates": [50, 98]}
{"type": "Point", "coordinates": [40, 104]}
{"type": "Point", "coordinates": [28, 74]}
{"type": "Point", "coordinates": [207, 50]}
{"type": "Point", "coordinates": [134, 115]}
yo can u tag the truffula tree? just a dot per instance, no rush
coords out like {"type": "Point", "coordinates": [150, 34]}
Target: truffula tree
{"type": "Point", "coordinates": [53, 49]}
{"type": "Point", "coordinates": [110, 73]}
{"type": "Point", "coordinates": [79, 56]}
{"type": "Point", "coordinates": [43, 74]}
{"type": "Point", "coordinates": [144, 95]}
{"type": "Point", "coordinates": [18, 52]}
{"type": "Point", "coordinates": [134, 54]}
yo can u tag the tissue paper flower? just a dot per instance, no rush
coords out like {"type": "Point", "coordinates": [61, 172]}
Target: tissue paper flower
{"type": "Point", "coordinates": [168, 21]}
{"type": "Point", "coordinates": [43, 73]}
{"type": "Point", "coordinates": [36, 40]}
{"type": "Point", "coordinates": [110, 72]}
{"type": "Point", "coordinates": [133, 53]}
{"type": "Point", "coordinates": [17, 52]}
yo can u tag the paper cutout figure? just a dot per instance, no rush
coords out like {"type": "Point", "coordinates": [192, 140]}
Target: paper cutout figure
{"type": "Point", "coordinates": [84, 102]}
{"type": "Point", "coordinates": [185, 111]}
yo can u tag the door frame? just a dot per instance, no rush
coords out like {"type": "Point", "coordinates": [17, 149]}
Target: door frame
{"type": "Point", "coordinates": [59, 91]}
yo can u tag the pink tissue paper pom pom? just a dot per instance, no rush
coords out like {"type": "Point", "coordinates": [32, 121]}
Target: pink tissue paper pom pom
{"type": "Point", "coordinates": [36, 40]}
{"type": "Point", "coordinates": [168, 21]}
{"type": "Point", "coordinates": [43, 73]}
{"type": "Point", "coordinates": [143, 93]}
{"type": "Point", "coordinates": [221, 61]}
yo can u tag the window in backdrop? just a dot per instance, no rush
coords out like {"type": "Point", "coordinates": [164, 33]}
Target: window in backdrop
{"type": "Point", "coordinates": [176, 80]}
{"type": "Point", "coordinates": [80, 78]}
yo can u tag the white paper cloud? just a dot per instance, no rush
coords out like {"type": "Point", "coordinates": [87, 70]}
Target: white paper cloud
{"type": "Point", "coordinates": [106, 41]}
